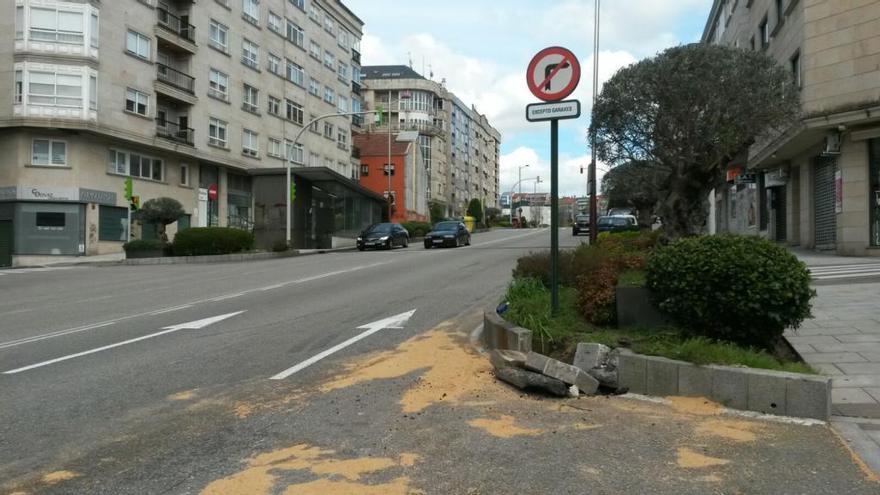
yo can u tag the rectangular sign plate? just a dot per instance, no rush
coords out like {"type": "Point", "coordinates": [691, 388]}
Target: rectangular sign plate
{"type": "Point", "coordinates": [539, 112]}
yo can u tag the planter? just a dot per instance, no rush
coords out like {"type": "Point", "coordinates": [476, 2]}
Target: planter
{"type": "Point", "coordinates": [635, 309]}
{"type": "Point", "coordinates": [149, 253]}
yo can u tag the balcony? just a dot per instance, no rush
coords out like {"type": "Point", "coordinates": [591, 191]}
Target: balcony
{"type": "Point", "coordinates": [175, 84]}
{"type": "Point", "coordinates": [357, 120]}
{"type": "Point", "coordinates": [174, 132]}
{"type": "Point", "coordinates": [356, 88]}
{"type": "Point", "coordinates": [175, 32]}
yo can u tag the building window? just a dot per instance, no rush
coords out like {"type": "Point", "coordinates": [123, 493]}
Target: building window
{"type": "Point", "coordinates": [184, 175]}
{"type": "Point", "coordinates": [295, 152]}
{"type": "Point", "coordinates": [295, 74]}
{"type": "Point", "coordinates": [315, 50]}
{"type": "Point", "coordinates": [137, 44]}
{"type": "Point", "coordinates": [314, 87]}
{"type": "Point", "coordinates": [274, 105]}
{"type": "Point", "coordinates": [50, 220]}
{"type": "Point", "coordinates": [293, 111]}
{"type": "Point", "coordinates": [274, 64]}
{"type": "Point", "coordinates": [342, 139]}
{"type": "Point", "coordinates": [365, 170]}
{"type": "Point", "coordinates": [314, 126]}
{"type": "Point", "coordinates": [300, 4]}
{"type": "Point", "coordinates": [250, 53]}
{"type": "Point", "coordinates": [93, 30]}
{"type": "Point", "coordinates": [218, 84]}
{"type": "Point", "coordinates": [112, 223]}
{"type": "Point", "coordinates": [329, 25]}
{"type": "Point", "coordinates": [295, 34]}
{"type": "Point", "coordinates": [764, 32]}
{"type": "Point", "coordinates": [250, 10]}
{"type": "Point", "coordinates": [19, 86]}
{"type": "Point", "coordinates": [274, 148]}
{"type": "Point", "coordinates": [135, 165]}
{"type": "Point", "coordinates": [49, 88]}
{"type": "Point", "coordinates": [275, 22]}
{"type": "Point", "coordinates": [219, 36]}
{"type": "Point", "coordinates": [328, 130]}
{"type": "Point", "coordinates": [217, 132]}
{"type": "Point", "coordinates": [314, 13]}
{"type": "Point", "coordinates": [342, 105]}
{"type": "Point", "coordinates": [342, 39]}
{"type": "Point", "coordinates": [329, 95]}
{"type": "Point", "coordinates": [93, 92]}
{"type": "Point", "coordinates": [57, 26]}
{"type": "Point", "coordinates": [49, 153]}
{"type": "Point", "coordinates": [780, 14]}
{"type": "Point", "coordinates": [314, 159]}
{"type": "Point", "coordinates": [19, 22]}
{"type": "Point", "coordinates": [342, 73]}
{"type": "Point", "coordinates": [329, 60]}
{"type": "Point", "coordinates": [251, 99]}
{"type": "Point", "coordinates": [250, 143]}
{"type": "Point", "coordinates": [386, 167]}
{"type": "Point", "coordinates": [137, 102]}
{"type": "Point", "coordinates": [796, 69]}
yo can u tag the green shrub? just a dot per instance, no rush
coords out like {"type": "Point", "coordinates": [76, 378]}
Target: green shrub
{"type": "Point", "coordinates": [739, 289]}
{"type": "Point", "coordinates": [139, 245]}
{"type": "Point", "coordinates": [417, 229]}
{"type": "Point", "coordinates": [200, 241]}
{"type": "Point", "coordinates": [629, 241]}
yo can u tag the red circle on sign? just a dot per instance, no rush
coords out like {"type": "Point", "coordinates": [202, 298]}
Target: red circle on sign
{"type": "Point", "coordinates": [212, 192]}
{"type": "Point", "coordinates": [538, 88]}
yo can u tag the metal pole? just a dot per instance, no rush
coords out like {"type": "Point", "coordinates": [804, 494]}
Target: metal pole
{"type": "Point", "coordinates": [388, 166]}
{"type": "Point", "coordinates": [554, 216]}
{"type": "Point", "coordinates": [592, 174]}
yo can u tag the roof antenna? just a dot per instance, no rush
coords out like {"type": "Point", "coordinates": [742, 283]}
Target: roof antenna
{"type": "Point", "coordinates": [409, 54]}
{"type": "Point", "coordinates": [431, 70]}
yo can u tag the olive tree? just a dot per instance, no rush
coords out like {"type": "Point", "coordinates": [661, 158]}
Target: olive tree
{"type": "Point", "coordinates": [688, 111]}
{"type": "Point", "coordinates": [162, 212]}
{"type": "Point", "coordinates": [634, 184]}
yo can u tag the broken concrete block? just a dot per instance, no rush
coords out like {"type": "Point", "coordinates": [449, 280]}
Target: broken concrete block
{"type": "Point", "coordinates": [519, 339]}
{"type": "Point", "coordinates": [503, 358]}
{"type": "Point", "coordinates": [561, 371]}
{"type": "Point", "coordinates": [529, 380]}
{"type": "Point", "coordinates": [589, 356]}
{"type": "Point", "coordinates": [607, 377]}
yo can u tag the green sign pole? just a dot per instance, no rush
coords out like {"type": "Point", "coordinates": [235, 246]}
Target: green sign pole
{"type": "Point", "coordinates": [554, 216]}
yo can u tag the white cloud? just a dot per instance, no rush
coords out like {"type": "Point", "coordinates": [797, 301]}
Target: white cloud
{"type": "Point", "coordinates": [571, 181]}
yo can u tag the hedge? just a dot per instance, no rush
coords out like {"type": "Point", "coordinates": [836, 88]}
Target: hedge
{"type": "Point", "coordinates": [417, 229]}
{"type": "Point", "coordinates": [199, 241]}
{"type": "Point", "coordinates": [138, 245]}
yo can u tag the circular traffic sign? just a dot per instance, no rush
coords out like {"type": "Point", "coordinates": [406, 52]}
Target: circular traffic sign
{"type": "Point", "coordinates": [553, 73]}
{"type": "Point", "coordinates": [212, 192]}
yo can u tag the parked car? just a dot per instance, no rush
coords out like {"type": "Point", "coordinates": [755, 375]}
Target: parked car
{"type": "Point", "coordinates": [383, 235]}
{"type": "Point", "coordinates": [581, 225]}
{"type": "Point", "coordinates": [448, 234]}
{"type": "Point", "coordinates": [621, 212]}
{"type": "Point", "coordinates": [617, 223]}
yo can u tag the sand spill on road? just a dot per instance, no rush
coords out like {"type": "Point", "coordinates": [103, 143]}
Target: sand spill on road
{"type": "Point", "coordinates": [503, 427]}
{"type": "Point", "coordinates": [688, 459]}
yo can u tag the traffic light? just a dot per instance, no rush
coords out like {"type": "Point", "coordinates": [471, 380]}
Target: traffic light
{"type": "Point", "coordinates": [128, 188]}
{"type": "Point", "coordinates": [135, 203]}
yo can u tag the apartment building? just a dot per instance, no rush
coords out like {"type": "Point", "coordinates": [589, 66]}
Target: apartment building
{"type": "Point", "coordinates": [404, 173]}
{"type": "Point", "coordinates": [817, 184]}
{"type": "Point", "coordinates": [460, 148]}
{"type": "Point", "coordinates": [189, 99]}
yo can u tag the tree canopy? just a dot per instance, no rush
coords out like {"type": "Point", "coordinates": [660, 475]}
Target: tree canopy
{"type": "Point", "coordinates": [475, 209]}
{"type": "Point", "coordinates": [160, 211]}
{"type": "Point", "coordinates": [688, 112]}
{"type": "Point", "coordinates": [634, 184]}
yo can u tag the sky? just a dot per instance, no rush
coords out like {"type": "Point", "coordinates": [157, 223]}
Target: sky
{"type": "Point", "coordinates": [482, 49]}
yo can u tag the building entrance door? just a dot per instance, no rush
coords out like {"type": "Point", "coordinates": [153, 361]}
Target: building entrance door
{"type": "Point", "coordinates": [823, 203]}
{"type": "Point", "coordinates": [5, 243]}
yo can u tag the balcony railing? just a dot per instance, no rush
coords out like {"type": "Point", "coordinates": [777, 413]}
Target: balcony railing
{"type": "Point", "coordinates": [357, 120]}
{"type": "Point", "coordinates": [170, 130]}
{"type": "Point", "coordinates": [176, 25]}
{"type": "Point", "coordinates": [356, 87]}
{"type": "Point", "coordinates": [175, 78]}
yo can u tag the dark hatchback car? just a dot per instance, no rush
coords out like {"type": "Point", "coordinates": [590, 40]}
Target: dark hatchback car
{"type": "Point", "coordinates": [448, 234]}
{"type": "Point", "coordinates": [383, 236]}
{"type": "Point", "coordinates": [617, 223]}
{"type": "Point", "coordinates": [581, 225]}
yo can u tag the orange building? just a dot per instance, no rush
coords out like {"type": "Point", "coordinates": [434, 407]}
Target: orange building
{"type": "Point", "coordinates": [408, 202]}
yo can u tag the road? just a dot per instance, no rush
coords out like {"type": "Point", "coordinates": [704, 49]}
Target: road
{"type": "Point", "coordinates": [290, 310]}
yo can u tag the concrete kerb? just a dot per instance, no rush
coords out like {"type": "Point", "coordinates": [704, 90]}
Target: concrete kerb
{"type": "Point", "coordinates": [763, 391]}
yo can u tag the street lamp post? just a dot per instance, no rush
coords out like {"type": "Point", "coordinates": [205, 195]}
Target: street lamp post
{"type": "Point", "coordinates": [519, 184]}
{"type": "Point", "coordinates": [289, 160]}
{"type": "Point", "coordinates": [519, 181]}
{"type": "Point", "coordinates": [592, 173]}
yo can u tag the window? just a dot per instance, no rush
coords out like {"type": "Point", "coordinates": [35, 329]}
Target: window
{"type": "Point", "coordinates": [49, 152]}
{"type": "Point", "coordinates": [342, 72]}
{"type": "Point", "coordinates": [250, 53]}
{"type": "Point", "coordinates": [295, 34]}
{"type": "Point", "coordinates": [112, 223]}
{"type": "Point", "coordinates": [137, 102]}
{"type": "Point", "coordinates": [250, 143]}
{"type": "Point", "coordinates": [295, 152]}
{"type": "Point", "coordinates": [386, 168]}
{"type": "Point", "coordinates": [137, 44]}
{"type": "Point", "coordinates": [764, 32]}
{"type": "Point", "coordinates": [275, 22]}
{"type": "Point", "coordinates": [342, 139]}
{"type": "Point", "coordinates": [274, 148]}
{"type": "Point", "coordinates": [93, 30]}
{"type": "Point", "coordinates": [329, 95]}
{"type": "Point", "coordinates": [314, 87]}
{"type": "Point", "coordinates": [796, 69]}
{"type": "Point", "coordinates": [342, 105]}
{"type": "Point", "coordinates": [118, 163]}
{"type": "Point", "coordinates": [93, 92]}
{"type": "Point", "coordinates": [300, 4]}
{"type": "Point", "coordinates": [57, 26]}
{"type": "Point", "coordinates": [314, 13]}
{"type": "Point", "coordinates": [274, 64]}
{"type": "Point", "coordinates": [19, 22]}
{"type": "Point", "coordinates": [217, 132]}
{"type": "Point", "coordinates": [295, 74]}
{"type": "Point", "coordinates": [329, 60]}
{"type": "Point", "coordinates": [135, 165]}
{"type": "Point", "coordinates": [251, 99]}
{"type": "Point", "coordinates": [328, 130]}
{"type": "Point", "coordinates": [250, 10]}
{"type": "Point", "coordinates": [293, 111]}
{"type": "Point", "coordinates": [47, 220]}
{"type": "Point", "coordinates": [274, 105]}
{"type": "Point", "coordinates": [365, 170]}
{"type": "Point", "coordinates": [218, 36]}
{"type": "Point", "coordinates": [184, 174]}
{"type": "Point", "coordinates": [780, 14]}
{"type": "Point", "coordinates": [329, 25]}
{"type": "Point", "coordinates": [342, 39]}
{"type": "Point", "coordinates": [49, 88]}
{"type": "Point", "coordinates": [314, 159]}
{"type": "Point", "coordinates": [314, 126]}
{"type": "Point", "coordinates": [218, 84]}
{"type": "Point", "coordinates": [19, 86]}
{"type": "Point", "coordinates": [315, 50]}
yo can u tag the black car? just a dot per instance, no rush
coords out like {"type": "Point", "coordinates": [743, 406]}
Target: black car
{"type": "Point", "coordinates": [617, 223]}
{"type": "Point", "coordinates": [384, 236]}
{"type": "Point", "coordinates": [581, 225]}
{"type": "Point", "coordinates": [448, 234]}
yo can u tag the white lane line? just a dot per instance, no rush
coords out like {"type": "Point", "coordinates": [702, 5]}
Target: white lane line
{"type": "Point", "coordinates": [845, 270]}
{"type": "Point", "coordinates": [191, 325]}
{"type": "Point", "coordinates": [849, 275]}
{"type": "Point", "coordinates": [92, 326]}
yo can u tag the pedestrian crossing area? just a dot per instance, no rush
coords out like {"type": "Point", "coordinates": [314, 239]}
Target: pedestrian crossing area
{"type": "Point", "coordinates": [23, 271]}
{"type": "Point", "coordinates": [840, 272]}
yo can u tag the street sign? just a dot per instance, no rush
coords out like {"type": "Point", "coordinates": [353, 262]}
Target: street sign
{"type": "Point", "coordinates": [746, 179]}
{"type": "Point", "coordinates": [212, 192]}
{"type": "Point", "coordinates": [568, 109]}
{"type": "Point", "coordinates": [553, 74]}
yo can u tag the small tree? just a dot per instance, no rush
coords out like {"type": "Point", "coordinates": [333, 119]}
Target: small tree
{"type": "Point", "coordinates": [437, 210]}
{"type": "Point", "coordinates": [475, 209]}
{"type": "Point", "coordinates": [634, 184]}
{"type": "Point", "coordinates": [161, 211]}
{"type": "Point", "coordinates": [688, 111]}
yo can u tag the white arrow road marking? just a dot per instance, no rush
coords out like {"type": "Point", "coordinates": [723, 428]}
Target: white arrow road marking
{"type": "Point", "coordinates": [396, 321]}
{"type": "Point", "coordinates": [193, 325]}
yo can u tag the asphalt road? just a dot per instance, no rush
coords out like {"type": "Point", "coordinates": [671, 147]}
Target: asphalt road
{"type": "Point", "coordinates": [280, 313]}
